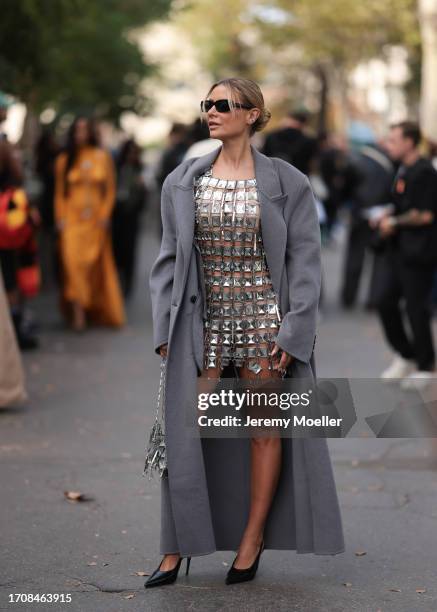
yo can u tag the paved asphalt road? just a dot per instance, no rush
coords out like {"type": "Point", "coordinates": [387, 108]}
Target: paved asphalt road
{"type": "Point", "coordinates": [84, 428]}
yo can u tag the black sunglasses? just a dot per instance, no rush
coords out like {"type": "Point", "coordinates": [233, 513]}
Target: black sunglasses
{"type": "Point", "coordinates": [222, 106]}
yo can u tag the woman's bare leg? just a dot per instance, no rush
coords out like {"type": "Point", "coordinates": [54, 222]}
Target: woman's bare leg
{"type": "Point", "coordinates": [79, 321]}
{"type": "Point", "coordinates": [266, 457]}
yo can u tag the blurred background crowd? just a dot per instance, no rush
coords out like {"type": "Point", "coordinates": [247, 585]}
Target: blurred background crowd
{"type": "Point", "coordinates": [100, 101]}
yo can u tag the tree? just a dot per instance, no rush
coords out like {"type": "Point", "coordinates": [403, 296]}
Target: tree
{"type": "Point", "coordinates": [75, 54]}
{"type": "Point", "coordinates": [217, 31]}
{"type": "Point", "coordinates": [303, 42]}
{"type": "Point", "coordinates": [335, 36]}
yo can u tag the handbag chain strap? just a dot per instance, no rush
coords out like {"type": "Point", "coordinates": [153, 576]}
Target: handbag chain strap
{"type": "Point", "coordinates": [161, 391]}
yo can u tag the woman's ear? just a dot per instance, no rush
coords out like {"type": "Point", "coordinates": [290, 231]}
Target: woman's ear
{"type": "Point", "coordinates": [253, 116]}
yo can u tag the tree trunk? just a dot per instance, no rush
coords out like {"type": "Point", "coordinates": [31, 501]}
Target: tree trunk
{"type": "Point", "coordinates": [337, 111]}
{"type": "Point", "coordinates": [428, 99]}
{"type": "Point", "coordinates": [320, 72]}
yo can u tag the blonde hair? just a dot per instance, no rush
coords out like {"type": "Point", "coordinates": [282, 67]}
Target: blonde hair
{"type": "Point", "coordinates": [249, 93]}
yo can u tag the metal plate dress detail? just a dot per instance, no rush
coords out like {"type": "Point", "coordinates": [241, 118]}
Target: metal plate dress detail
{"type": "Point", "coordinates": [243, 314]}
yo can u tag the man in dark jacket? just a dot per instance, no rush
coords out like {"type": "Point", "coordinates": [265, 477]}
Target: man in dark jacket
{"type": "Point", "coordinates": [372, 188]}
{"type": "Point", "coordinates": [174, 152]}
{"type": "Point", "coordinates": [410, 259]}
{"type": "Point", "coordinates": [291, 143]}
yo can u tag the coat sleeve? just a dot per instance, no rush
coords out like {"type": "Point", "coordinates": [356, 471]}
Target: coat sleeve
{"type": "Point", "coordinates": [162, 272]}
{"type": "Point", "coordinates": [297, 331]}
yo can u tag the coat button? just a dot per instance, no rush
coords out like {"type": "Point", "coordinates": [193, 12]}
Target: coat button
{"type": "Point", "coordinates": [193, 298]}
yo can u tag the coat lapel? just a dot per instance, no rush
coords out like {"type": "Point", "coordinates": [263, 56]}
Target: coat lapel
{"type": "Point", "coordinates": [271, 198]}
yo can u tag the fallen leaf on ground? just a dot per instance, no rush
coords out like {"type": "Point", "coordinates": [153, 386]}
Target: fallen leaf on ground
{"type": "Point", "coordinates": [360, 553]}
{"type": "Point", "coordinates": [77, 496]}
{"type": "Point", "coordinates": [70, 582]}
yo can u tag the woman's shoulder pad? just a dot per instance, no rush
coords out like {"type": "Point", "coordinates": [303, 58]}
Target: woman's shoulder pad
{"type": "Point", "coordinates": [287, 170]}
{"type": "Point", "coordinates": [176, 174]}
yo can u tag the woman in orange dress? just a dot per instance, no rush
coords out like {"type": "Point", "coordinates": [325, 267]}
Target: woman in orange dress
{"type": "Point", "coordinates": [84, 199]}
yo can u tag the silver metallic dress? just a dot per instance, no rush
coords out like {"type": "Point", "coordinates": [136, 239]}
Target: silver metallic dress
{"type": "Point", "coordinates": [243, 313]}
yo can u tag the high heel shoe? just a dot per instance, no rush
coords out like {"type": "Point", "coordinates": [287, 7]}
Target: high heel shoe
{"type": "Point", "coordinates": [248, 573]}
{"type": "Point", "coordinates": [160, 577]}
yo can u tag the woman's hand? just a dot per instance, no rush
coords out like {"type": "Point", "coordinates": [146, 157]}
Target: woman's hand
{"type": "Point", "coordinates": [386, 226]}
{"type": "Point", "coordinates": [285, 359]}
{"type": "Point", "coordinates": [163, 350]}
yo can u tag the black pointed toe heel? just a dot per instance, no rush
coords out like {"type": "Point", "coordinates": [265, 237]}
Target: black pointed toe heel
{"type": "Point", "coordinates": [161, 577]}
{"type": "Point", "coordinates": [235, 575]}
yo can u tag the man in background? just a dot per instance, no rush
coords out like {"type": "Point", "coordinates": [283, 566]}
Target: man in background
{"type": "Point", "coordinates": [375, 174]}
{"type": "Point", "coordinates": [174, 153]}
{"type": "Point", "coordinates": [410, 259]}
{"type": "Point", "coordinates": [292, 143]}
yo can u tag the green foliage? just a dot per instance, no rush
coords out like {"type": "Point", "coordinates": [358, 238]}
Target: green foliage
{"type": "Point", "coordinates": [76, 54]}
{"type": "Point", "coordinates": [337, 33]}
{"type": "Point", "coordinates": [216, 30]}
{"type": "Point", "coordinates": [344, 31]}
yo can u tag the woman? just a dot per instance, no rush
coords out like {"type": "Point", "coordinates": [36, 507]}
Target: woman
{"type": "Point", "coordinates": [293, 502]}
{"type": "Point", "coordinates": [84, 199]}
{"type": "Point", "coordinates": [130, 201]}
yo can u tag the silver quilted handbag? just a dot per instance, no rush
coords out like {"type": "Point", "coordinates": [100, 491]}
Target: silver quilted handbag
{"type": "Point", "coordinates": [156, 460]}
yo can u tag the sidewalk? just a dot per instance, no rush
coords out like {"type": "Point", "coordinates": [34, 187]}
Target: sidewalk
{"type": "Point", "coordinates": [84, 429]}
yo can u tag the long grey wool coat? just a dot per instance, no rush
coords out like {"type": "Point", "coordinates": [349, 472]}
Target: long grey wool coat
{"type": "Point", "coordinates": [205, 498]}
